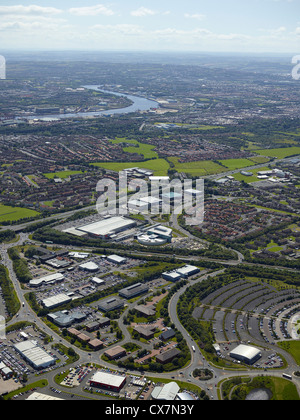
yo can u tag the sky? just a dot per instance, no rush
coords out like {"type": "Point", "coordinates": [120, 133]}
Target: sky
{"type": "Point", "coordinates": [255, 26]}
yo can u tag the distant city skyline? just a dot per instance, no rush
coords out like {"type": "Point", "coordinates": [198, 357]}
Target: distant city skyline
{"type": "Point", "coordinates": [136, 25]}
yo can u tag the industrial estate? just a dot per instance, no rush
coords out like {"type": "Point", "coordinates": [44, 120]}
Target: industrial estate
{"type": "Point", "coordinates": [140, 305]}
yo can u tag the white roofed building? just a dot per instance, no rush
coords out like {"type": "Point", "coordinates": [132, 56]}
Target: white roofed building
{"type": "Point", "coordinates": [166, 393]}
{"type": "Point", "coordinates": [246, 354]}
{"type": "Point", "coordinates": [34, 355]}
{"type": "Point", "coordinates": [108, 381]}
{"type": "Point", "coordinates": [107, 227]}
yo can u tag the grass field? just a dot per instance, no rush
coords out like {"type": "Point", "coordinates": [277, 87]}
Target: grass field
{"type": "Point", "coordinates": [292, 347]}
{"type": "Point", "coordinates": [233, 164]}
{"type": "Point", "coordinates": [62, 175]}
{"type": "Point", "coordinates": [199, 168]}
{"type": "Point", "coordinates": [279, 153]}
{"type": "Point", "coordinates": [143, 149]}
{"type": "Point", "coordinates": [11, 214]}
{"type": "Point", "coordinates": [159, 166]}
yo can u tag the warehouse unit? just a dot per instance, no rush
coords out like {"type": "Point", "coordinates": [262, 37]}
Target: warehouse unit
{"type": "Point", "coordinates": [188, 271]}
{"type": "Point", "coordinates": [90, 266]}
{"type": "Point", "coordinates": [167, 392]}
{"type": "Point", "coordinates": [107, 227]}
{"type": "Point", "coordinates": [34, 355]}
{"type": "Point", "coordinates": [171, 276]}
{"type": "Point", "coordinates": [55, 301]}
{"type": "Point", "coordinates": [52, 278]}
{"type": "Point", "coordinates": [116, 259]}
{"type": "Point", "coordinates": [246, 354]}
{"type": "Point", "coordinates": [134, 290]}
{"type": "Point", "coordinates": [110, 304]}
{"type": "Point", "coordinates": [181, 273]}
{"type": "Point", "coordinates": [108, 381]}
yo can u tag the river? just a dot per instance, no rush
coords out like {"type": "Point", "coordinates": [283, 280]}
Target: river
{"type": "Point", "coordinates": [139, 104]}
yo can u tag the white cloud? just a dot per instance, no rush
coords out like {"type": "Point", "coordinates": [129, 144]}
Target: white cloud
{"type": "Point", "coordinates": [121, 29]}
{"type": "Point", "coordinates": [143, 11]}
{"type": "Point", "coordinates": [33, 10]}
{"type": "Point", "coordinates": [196, 16]}
{"type": "Point", "coordinates": [99, 9]}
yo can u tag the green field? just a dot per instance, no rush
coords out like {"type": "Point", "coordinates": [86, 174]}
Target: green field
{"type": "Point", "coordinates": [233, 164]}
{"type": "Point", "coordinates": [11, 214]}
{"type": "Point", "coordinates": [279, 153]}
{"type": "Point", "coordinates": [199, 168]}
{"type": "Point", "coordinates": [62, 175]}
{"type": "Point", "coordinates": [159, 166]}
{"type": "Point", "coordinates": [146, 150]}
{"type": "Point", "coordinates": [292, 347]}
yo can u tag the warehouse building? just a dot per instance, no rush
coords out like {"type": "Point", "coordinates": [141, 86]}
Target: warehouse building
{"type": "Point", "coordinates": [34, 355]}
{"type": "Point", "coordinates": [181, 273]}
{"type": "Point", "coordinates": [246, 354]}
{"type": "Point", "coordinates": [110, 304]}
{"type": "Point", "coordinates": [167, 392]}
{"type": "Point", "coordinates": [116, 259]}
{"type": "Point", "coordinates": [52, 278]}
{"type": "Point", "coordinates": [91, 267]}
{"type": "Point", "coordinates": [171, 276]}
{"type": "Point", "coordinates": [107, 227]}
{"type": "Point", "coordinates": [134, 290]}
{"type": "Point", "coordinates": [108, 381]}
{"type": "Point", "coordinates": [188, 271]}
{"type": "Point", "coordinates": [55, 301]}
{"type": "Point", "coordinates": [37, 396]}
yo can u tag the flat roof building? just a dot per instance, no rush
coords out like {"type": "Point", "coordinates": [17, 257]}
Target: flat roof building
{"type": "Point", "coordinates": [171, 276]}
{"type": "Point", "coordinates": [246, 354]}
{"type": "Point", "coordinates": [37, 396]}
{"type": "Point", "coordinates": [134, 290]}
{"type": "Point", "coordinates": [116, 259]}
{"type": "Point", "coordinates": [184, 272]}
{"type": "Point", "coordinates": [108, 381]}
{"type": "Point", "coordinates": [110, 304]}
{"type": "Point", "coordinates": [65, 319]}
{"type": "Point", "coordinates": [52, 278]}
{"type": "Point", "coordinates": [34, 355]}
{"type": "Point", "coordinates": [188, 271]}
{"type": "Point", "coordinates": [55, 301]}
{"type": "Point", "coordinates": [107, 227]}
{"type": "Point", "coordinates": [89, 266]}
